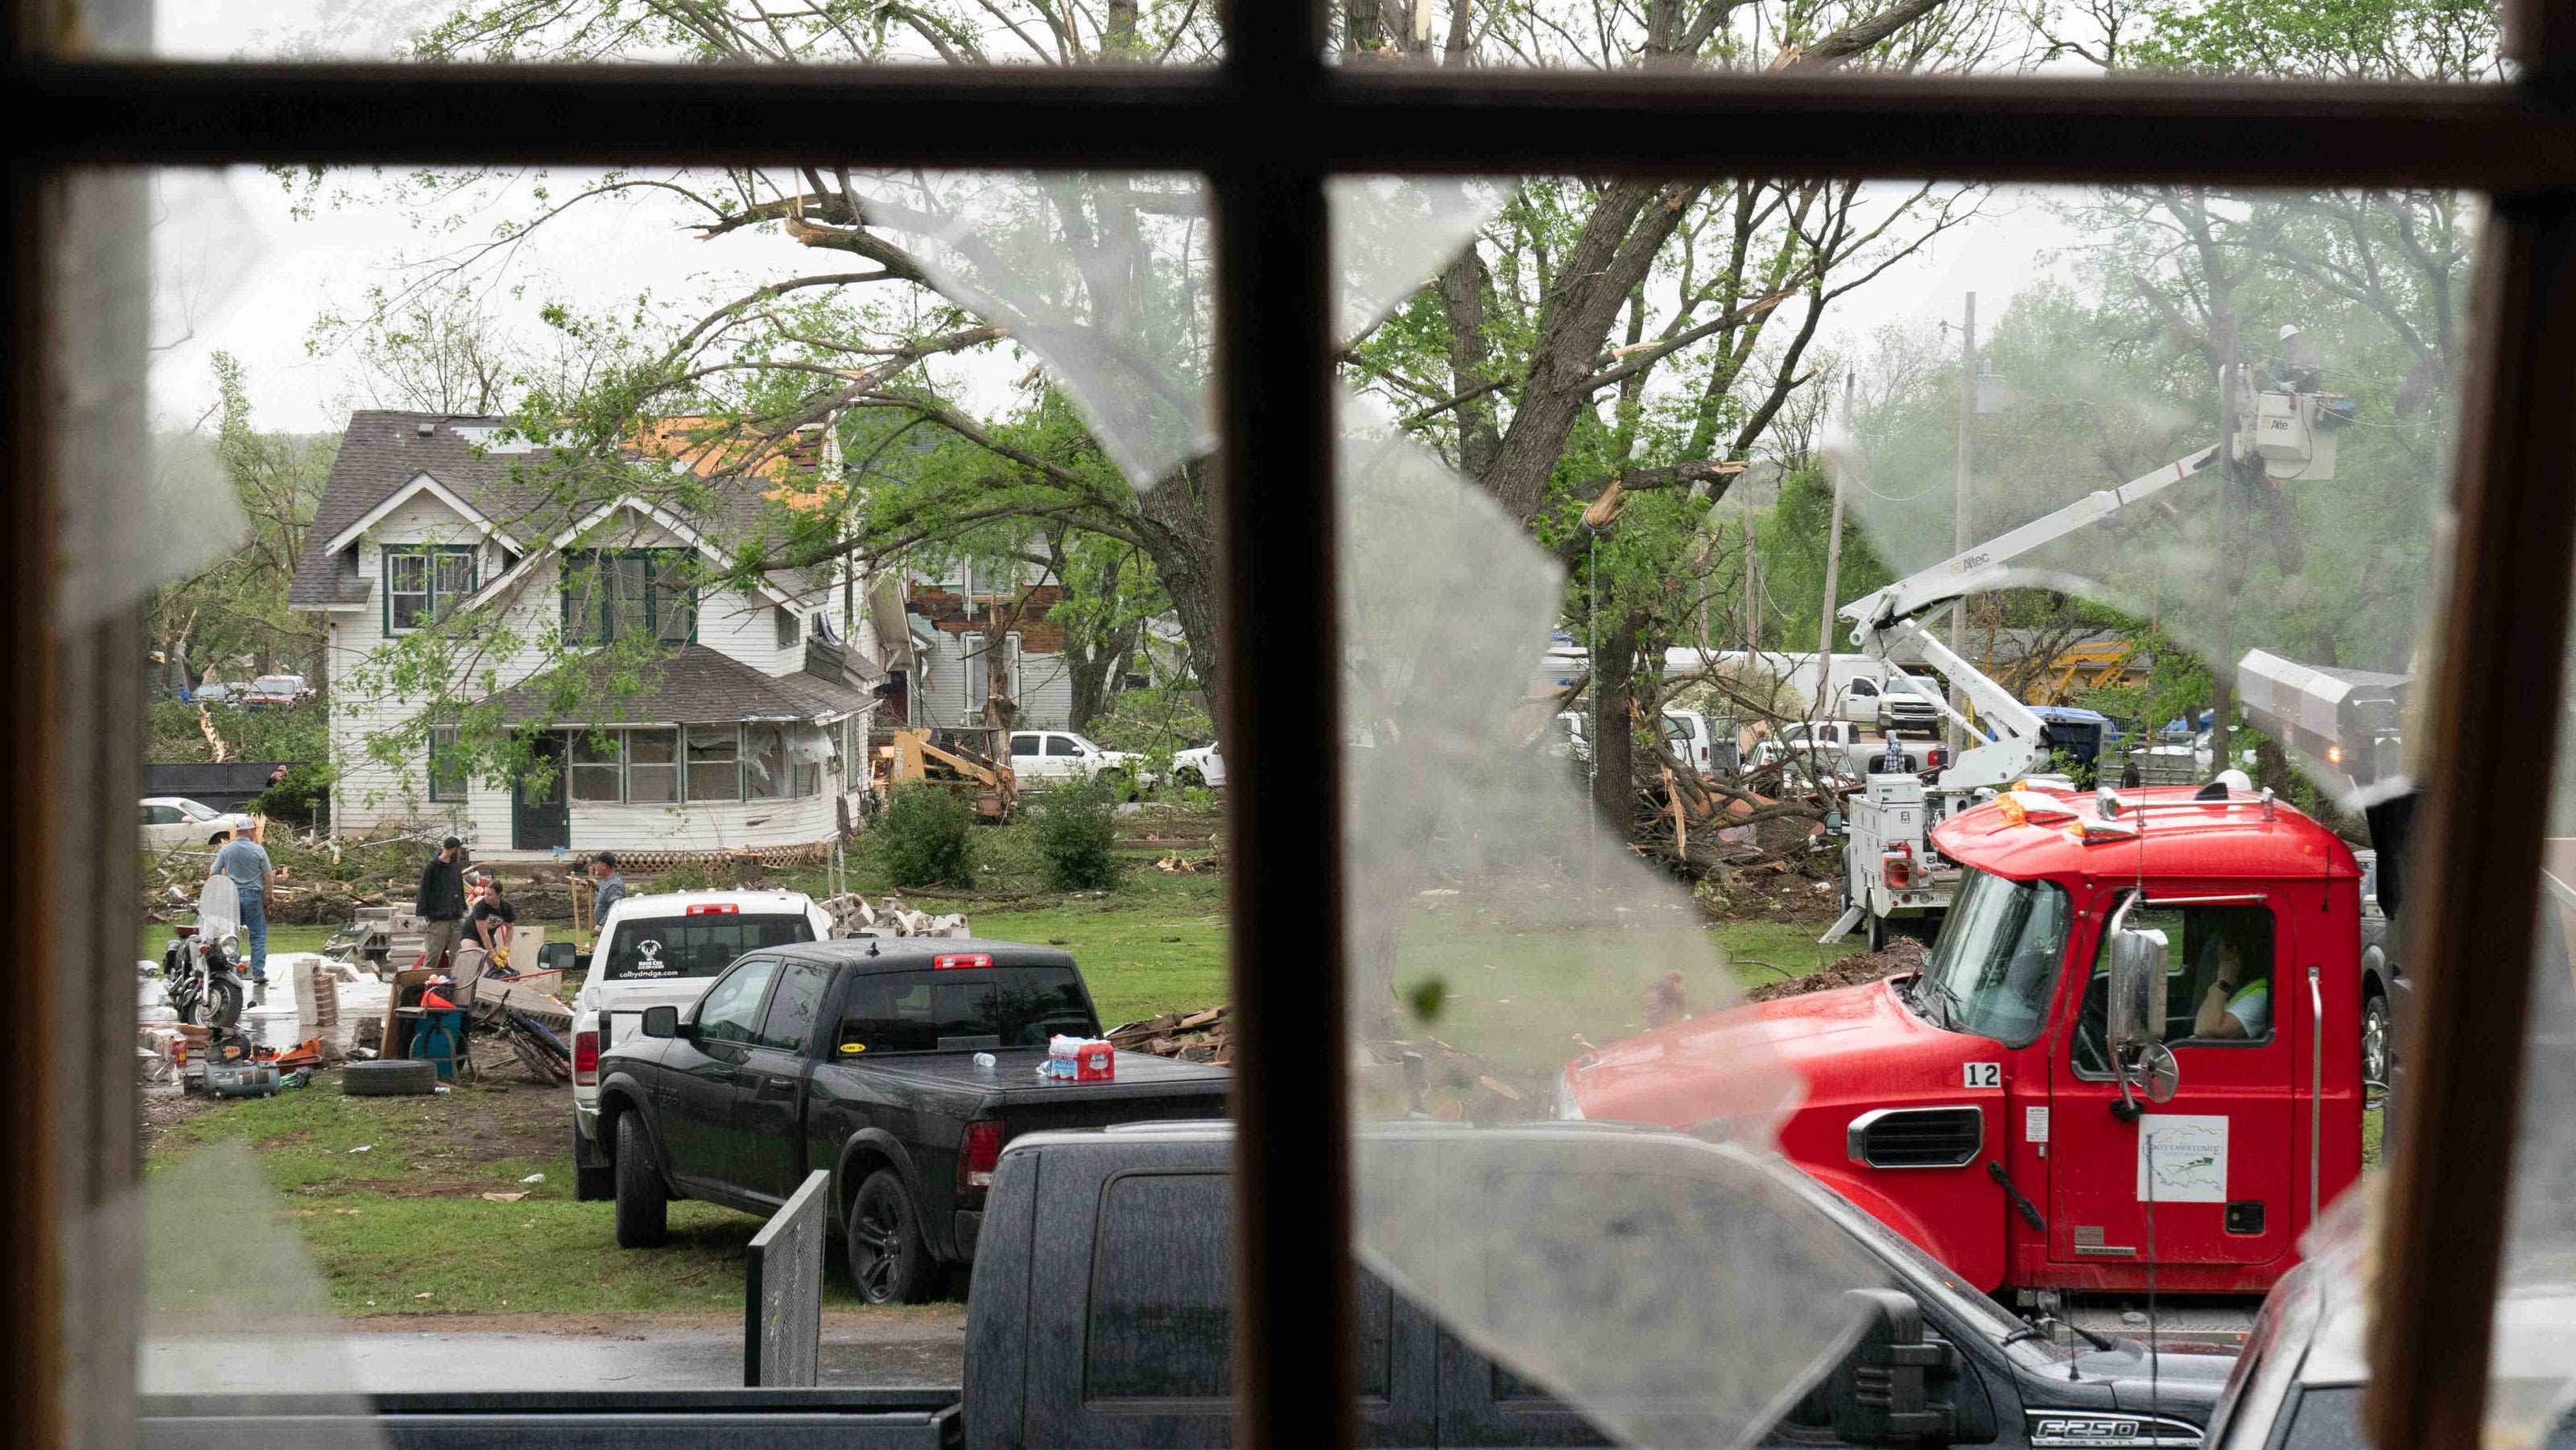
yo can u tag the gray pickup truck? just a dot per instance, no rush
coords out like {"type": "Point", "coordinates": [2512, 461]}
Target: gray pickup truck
{"type": "Point", "coordinates": [1104, 1289]}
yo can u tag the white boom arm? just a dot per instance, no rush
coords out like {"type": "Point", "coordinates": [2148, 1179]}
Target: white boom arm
{"type": "Point", "coordinates": [1884, 616]}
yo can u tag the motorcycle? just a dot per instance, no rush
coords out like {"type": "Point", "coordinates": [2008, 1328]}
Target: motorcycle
{"type": "Point", "coordinates": [203, 963]}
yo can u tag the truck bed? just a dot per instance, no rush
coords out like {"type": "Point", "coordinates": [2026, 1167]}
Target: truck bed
{"type": "Point", "coordinates": [1014, 1076]}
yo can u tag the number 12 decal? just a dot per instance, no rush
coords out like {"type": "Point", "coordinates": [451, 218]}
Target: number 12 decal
{"type": "Point", "coordinates": [1984, 1074]}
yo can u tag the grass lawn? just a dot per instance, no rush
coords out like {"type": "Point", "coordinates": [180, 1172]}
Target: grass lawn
{"type": "Point", "coordinates": [155, 935]}
{"type": "Point", "coordinates": [403, 1228]}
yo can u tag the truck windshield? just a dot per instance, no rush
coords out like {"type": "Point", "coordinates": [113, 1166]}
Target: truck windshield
{"type": "Point", "coordinates": [1013, 1006]}
{"type": "Point", "coordinates": [1996, 960]}
{"type": "Point", "coordinates": [666, 948]}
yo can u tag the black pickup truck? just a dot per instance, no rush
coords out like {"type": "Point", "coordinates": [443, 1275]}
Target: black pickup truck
{"type": "Point", "coordinates": [1103, 1296]}
{"type": "Point", "coordinates": [866, 1057]}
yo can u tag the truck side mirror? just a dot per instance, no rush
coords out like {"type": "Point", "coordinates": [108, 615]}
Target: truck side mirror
{"type": "Point", "coordinates": [2138, 981]}
{"type": "Point", "coordinates": [1881, 1393]}
{"type": "Point", "coordinates": [661, 1021]}
{"type": "Point", "coordinates": [1833, 823]}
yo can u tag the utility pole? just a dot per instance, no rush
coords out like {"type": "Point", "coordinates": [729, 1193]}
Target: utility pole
{"type": "Point", "coordinates": [2222, 693]}
{"type": "Point", "coordinates": [1959, 524]}
{"type": "Point", "coordinates": [1833, 580]}
{"type": "Point", "coordinates": [1752, 578]}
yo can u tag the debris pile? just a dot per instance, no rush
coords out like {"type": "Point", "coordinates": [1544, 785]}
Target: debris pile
{"type": "Point", "coordinates": [1902, 955]}
{"type": "Point", "coordinates": [851, 916]}
{"type": "Point", "coordinates": [1177, 864]}
{"type": "Point", "coordinates": [1190, 1036]}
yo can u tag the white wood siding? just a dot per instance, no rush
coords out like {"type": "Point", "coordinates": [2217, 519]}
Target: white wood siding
{"type": "Point", "coordinates": [370, 795]}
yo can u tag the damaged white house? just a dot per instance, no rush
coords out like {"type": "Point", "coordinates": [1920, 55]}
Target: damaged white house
{"type": "Point", "coordinates": [745, 730]}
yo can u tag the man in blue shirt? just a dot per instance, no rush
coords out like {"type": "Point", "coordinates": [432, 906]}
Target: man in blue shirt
{"type": "Point", "coordinates": [245, 863]}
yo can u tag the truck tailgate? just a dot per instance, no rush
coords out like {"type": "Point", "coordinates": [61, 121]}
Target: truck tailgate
{"type": "Point", "coordinates": [788, 1419]}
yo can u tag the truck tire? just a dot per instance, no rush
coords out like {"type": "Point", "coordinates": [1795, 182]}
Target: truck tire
{"type": "Point", "coordinates": [591, 1185]}
{"type": "Point", "coordinates": [2378, 1041]}
{"type": "Point", "coordinates": [890, 1263]}
{"type": "Point", "coordinates": [389, 1077]}
{"type": "Point", "coordinates": [1878, 933]}
{"type": "Point", "coordinates": [643, 1199]}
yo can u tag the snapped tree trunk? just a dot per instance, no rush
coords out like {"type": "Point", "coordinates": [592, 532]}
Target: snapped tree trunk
{"type": "Point", "coordinates": [1614, 733]}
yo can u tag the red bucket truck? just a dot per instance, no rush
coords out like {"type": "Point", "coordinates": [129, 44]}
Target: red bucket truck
{"type": "Point", "coordinates": [2134, 1049]}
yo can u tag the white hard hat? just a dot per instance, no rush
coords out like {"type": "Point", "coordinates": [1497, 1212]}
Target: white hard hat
{"type": "Point", "coordinates": [2235, 780]}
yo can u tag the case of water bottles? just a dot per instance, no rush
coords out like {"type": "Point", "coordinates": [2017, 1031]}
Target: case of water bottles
{"type": "Point", "coordinates": [1078, 1059]}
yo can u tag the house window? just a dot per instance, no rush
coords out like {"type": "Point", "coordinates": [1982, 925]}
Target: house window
{"type": "Point", "coordinates": [791, 627]}
{"type": "Point", "coordinates": [595, 767]}
{"type": "Point", "coordinates": [619, 594]}
{"type": "Point", "coordinates": [446, 777]}
{"type": "Point", "coordinates": [764, 762]}
{"type": "Point", "coordinates": [652, 766]}
{"type": "Point", "coordinates": [424, 581]}
{"type": "Point", "coordinates": [715, 763]}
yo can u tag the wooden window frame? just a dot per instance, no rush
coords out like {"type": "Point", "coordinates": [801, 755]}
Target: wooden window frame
{"type": "Point", "coordinates": [1267, 126]}
{"type": "Point", "coordinates": [429, 555]}
{"type": "Point", "coordinates": [605, 615]}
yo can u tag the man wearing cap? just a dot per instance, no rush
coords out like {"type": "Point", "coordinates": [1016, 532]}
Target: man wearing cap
{"type": "Point", "coordinates": [441, 903]}
{"type": "Point", "coordinates": [245, 862]}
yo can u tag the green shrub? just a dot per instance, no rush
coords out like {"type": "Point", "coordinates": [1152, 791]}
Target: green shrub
{"type": "Point", "coordinates": [1075, 829]}
{"type": "Point", "coordinates": [924, 837]}
{"type": "Point", "coordinates": [301, 797]}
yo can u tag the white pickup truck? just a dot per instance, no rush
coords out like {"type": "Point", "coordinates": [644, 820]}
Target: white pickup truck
{"type": "Point", "coordinates": [664, 950]}
{"type": "Point", "coordinates": [1825, 752]}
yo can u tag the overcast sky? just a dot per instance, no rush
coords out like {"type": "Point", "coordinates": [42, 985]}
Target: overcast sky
{"type": "Point", "coordinates": [238, 270]}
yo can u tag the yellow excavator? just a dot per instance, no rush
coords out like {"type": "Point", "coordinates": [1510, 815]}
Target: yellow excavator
{"type": "Point", "coordinates": [972, 758]}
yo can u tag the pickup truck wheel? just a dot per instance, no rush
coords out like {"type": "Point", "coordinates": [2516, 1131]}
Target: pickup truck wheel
{"type": "Point", "coordinates": [643, 1200]}
{"type": "Point", "coordinates": [889, 1263]}
{"type": "Point", "coordinates": [591, 1185]}
{"type": "Point", "coordinates": [2375, 1044]}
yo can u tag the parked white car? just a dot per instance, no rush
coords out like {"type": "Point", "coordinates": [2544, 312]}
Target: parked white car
{"type": "Point", "coordinates": [1044, 757]}
{"type": "Point", "coordinates": [173, 821]}
{"type": "Point", "coordinates": [1202, 766]}
{"type": "Point", "coordinates": [664, 950]}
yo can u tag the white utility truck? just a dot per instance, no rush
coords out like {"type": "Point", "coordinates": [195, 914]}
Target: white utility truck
{"type": "Point", "coordinates": [1893, 879]}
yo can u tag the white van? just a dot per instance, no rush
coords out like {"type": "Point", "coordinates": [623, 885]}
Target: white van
{"type": "Point", "coordinates": [664, 950]}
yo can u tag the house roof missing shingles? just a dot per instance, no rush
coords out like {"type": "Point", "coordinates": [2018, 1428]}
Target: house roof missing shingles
{"type": "Point", "coordinates": [693, 685]}
{"type": "Point", "coordinates": [381, 453]}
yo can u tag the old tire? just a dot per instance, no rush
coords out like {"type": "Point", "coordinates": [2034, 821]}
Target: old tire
{"type": "Point", "coordinates": [2378, 1045]}
{"type": "Point", "coordinates": [591, 1185]}
{"type": "Point", "coordinates": [889, 1261]}
{"type": "Point", "coordinates": [390, 1077]}
{"type": "Point", "coordinates": [643, 1199]}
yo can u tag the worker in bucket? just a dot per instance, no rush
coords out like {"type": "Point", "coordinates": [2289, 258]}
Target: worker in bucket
{"type": "Point", "coordinates": [245, 863]}
{"type": "Point", "coordinates": [441, 903]}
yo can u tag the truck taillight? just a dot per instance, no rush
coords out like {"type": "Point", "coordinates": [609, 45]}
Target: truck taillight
{"type": "Point", "coordinates": [1898, 865]}
{"type": "Point", "coordinates": [978, 1149]}
{"type": "Point", "coordinates": [1936, 757]}
{"type": "Point", "coordinates": [585, 1059]}
{"type": "Point", "coordinates": [947, 961]}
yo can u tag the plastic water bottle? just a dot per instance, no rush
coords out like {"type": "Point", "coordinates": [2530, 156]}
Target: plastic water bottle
{"type": "Point", "coordinates": [984, 1061]}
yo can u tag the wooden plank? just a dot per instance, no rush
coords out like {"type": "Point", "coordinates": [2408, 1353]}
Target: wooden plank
{"type": "Point", "coordinates": [2469, 912]}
